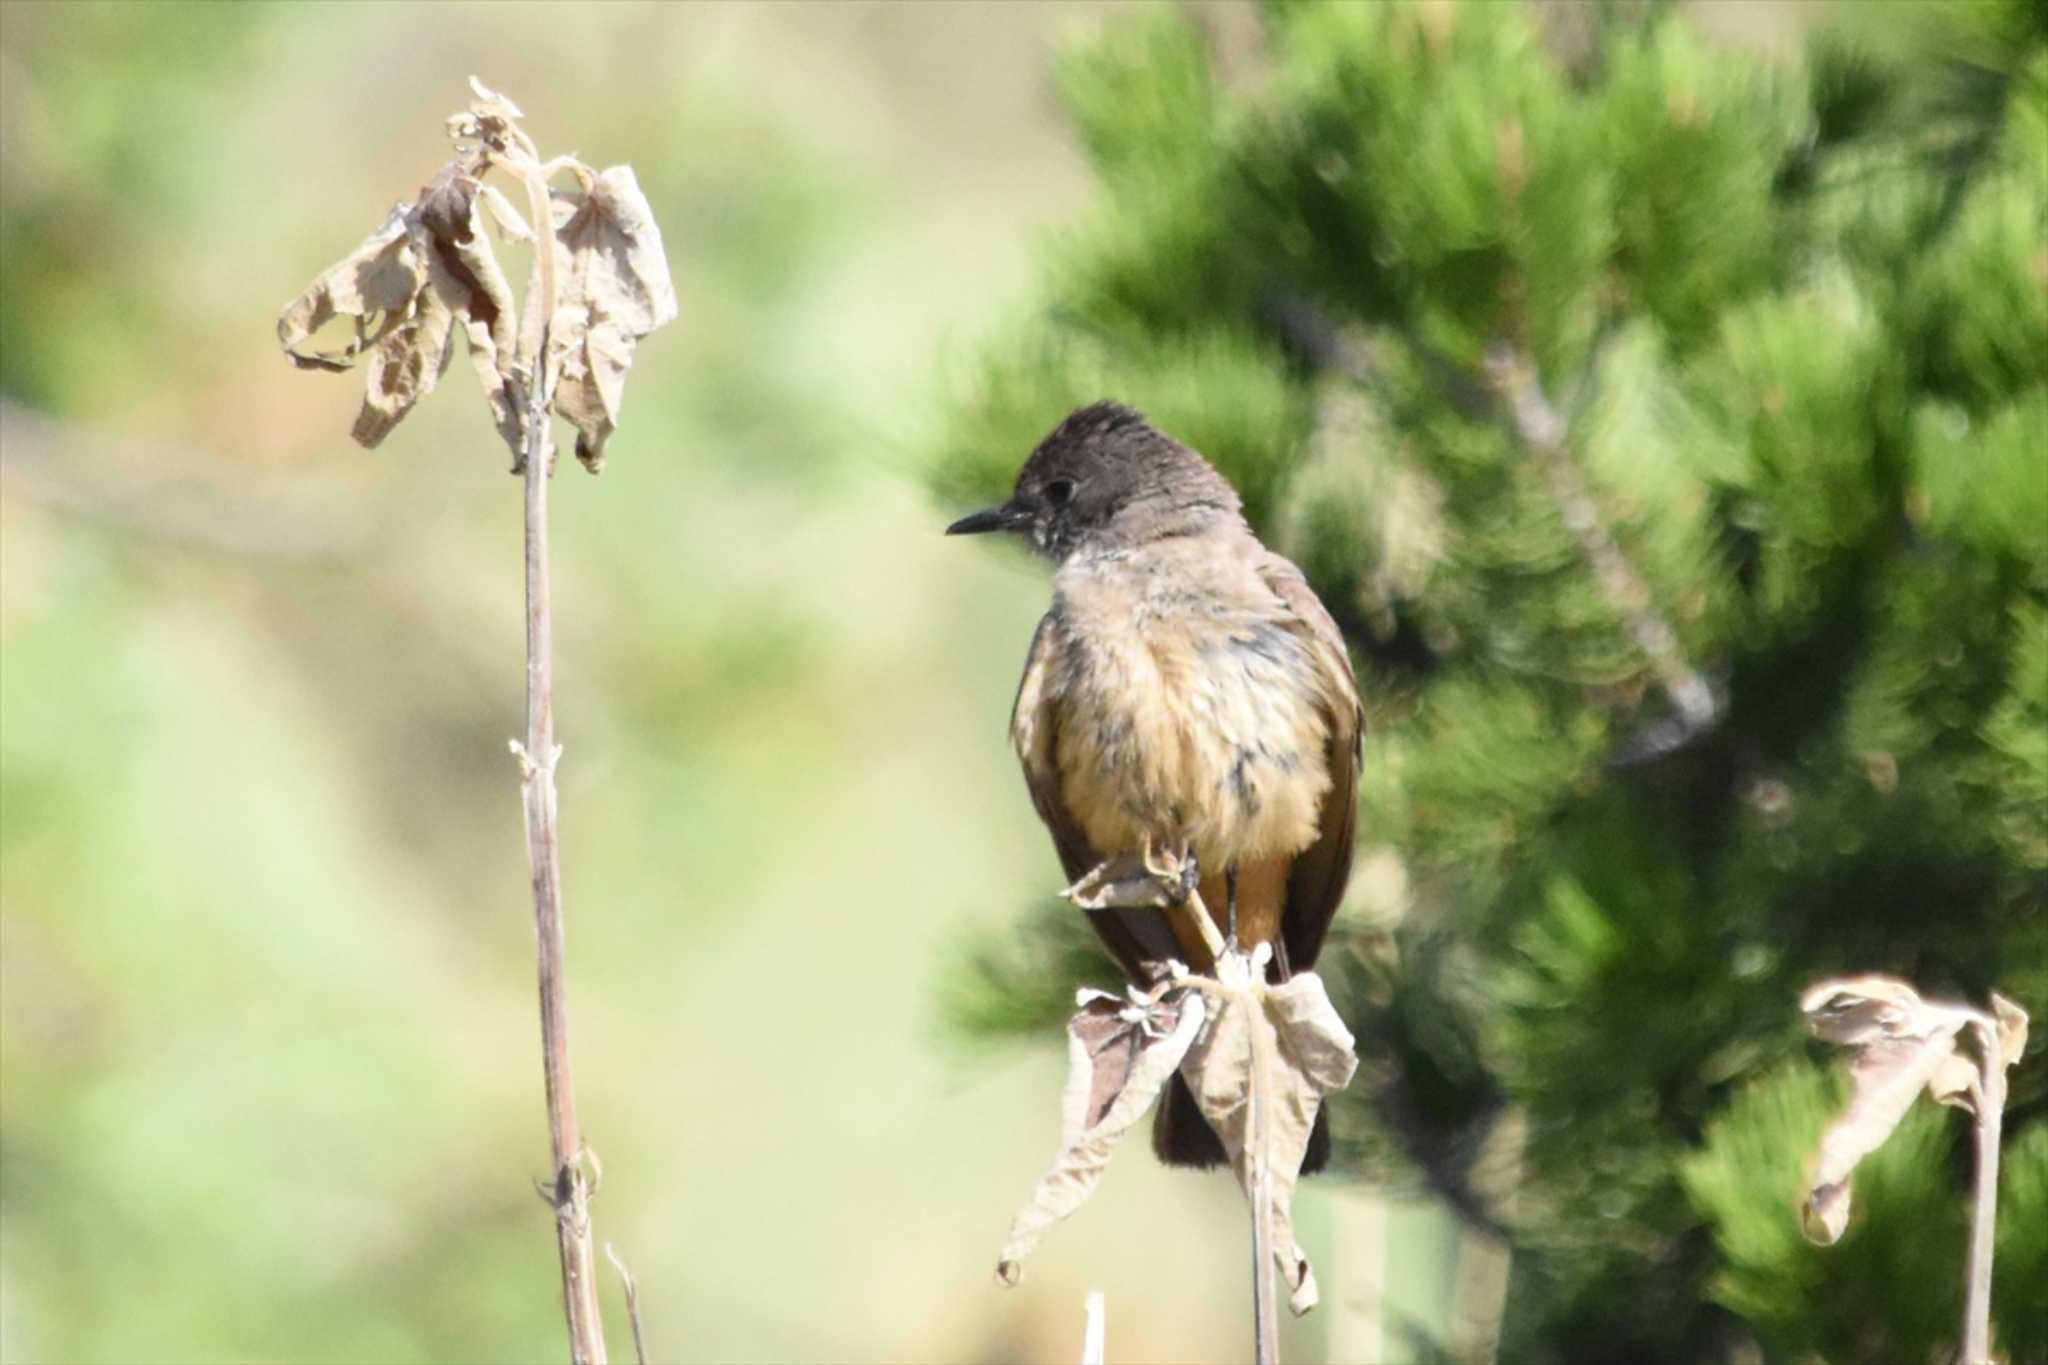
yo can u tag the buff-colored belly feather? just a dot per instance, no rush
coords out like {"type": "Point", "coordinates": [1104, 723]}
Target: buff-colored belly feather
{"type": "Point", "coordinates": [1193, 732]}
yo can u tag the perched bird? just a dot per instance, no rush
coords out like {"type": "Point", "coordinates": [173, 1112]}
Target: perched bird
{"type": "Point", "coordinates": [1187, 697]}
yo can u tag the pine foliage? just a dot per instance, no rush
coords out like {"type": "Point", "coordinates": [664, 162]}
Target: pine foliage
{"type": "Point", "coordinates": [1794, 314]}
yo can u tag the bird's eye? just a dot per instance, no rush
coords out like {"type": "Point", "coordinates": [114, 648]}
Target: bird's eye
{"type": "Point", "coordinates": [1060, 492]}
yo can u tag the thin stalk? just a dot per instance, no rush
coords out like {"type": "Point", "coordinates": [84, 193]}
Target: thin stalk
{"type": "Point", "coordinates": [1990, 1118]}
{"type": "Point", "coordinates": [1196, 913]}
{"type": "Point", "coordinates": [1093, 1329]}
{"type": "Point", "coordinates": [570, 1191]}
{"type": "Point", "coordinates": [1243, 983]}
{"type": "Point", "coordinates": [1258, 1117]}
{"type": "Point", "coordinates": [632, 1302]}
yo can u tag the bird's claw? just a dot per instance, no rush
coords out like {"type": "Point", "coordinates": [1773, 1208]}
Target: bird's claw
{"type": "Point", "coordinates": [1178, 873]}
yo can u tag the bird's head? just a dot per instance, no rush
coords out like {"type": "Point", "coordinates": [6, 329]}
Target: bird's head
{"type": "Point", "coordinates": [1106, 479]}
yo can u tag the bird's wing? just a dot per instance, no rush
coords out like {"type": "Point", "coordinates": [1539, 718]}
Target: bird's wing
{"type": "Point", "coordinates": [1315, 884]}
{"type": "Point", "coordinates": [1133, 937]}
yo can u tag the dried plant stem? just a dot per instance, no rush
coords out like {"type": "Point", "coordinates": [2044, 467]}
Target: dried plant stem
{"type": "Point", "coordinates": [632, 1301]}
{"type": "Point", "coordinates": [1259, 1178]}
{"type": "Point", "coordinates": [1906, 1045]}
{"type": "Point", "coordinates": [425, 276]}
{"type": "Point", "coordinates": [1990, 1118]}
{"type": "Point", "coordinates": [570, 1190]}
{"type": "Point", "coordinates": [1265, 1286]}
{"type": "Point", "coordinates": [1093, 1329]}
{"type": "Point", "coordinates": [1197, 914]}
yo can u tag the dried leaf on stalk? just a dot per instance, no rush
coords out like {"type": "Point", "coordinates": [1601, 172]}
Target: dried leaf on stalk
{"type": "Point", "coordinates": [613, 288]}
{"type": "Point", "coordinates": [1904, 1044]}
{"type": "Point", "coordinates": [510, 223]}
{"type": "Point", "coordinates": [1228, 1036]}
{"type": "Point", "coordinates": [1851, 1010]}
{"type": "Point", "coordinates": [387, 285]}
{"type": "Point", "coordinates": [1960, 1081]}
{"type": "Point", "coordinates": [464, 272]}
{"type": "Point", "coordinates": [430, 269]}
{"type": "Point", "coordinates": [1294, 1029]}
{"type": "Point", "coordinates": [2012, 1028]}
{"type": "Point", "coordinates": [1955, 1081]}
{"type": "Point", "coordinates": [376, 285]}
{"type": "Point", "coordinates": [1312, 1033]}
{"type": "Point", "coordinates": [405, 365]}
{"type": "Point", "coordinates": [1120, 1053]}
{"type": "Point", "coordinates": [410, 283]}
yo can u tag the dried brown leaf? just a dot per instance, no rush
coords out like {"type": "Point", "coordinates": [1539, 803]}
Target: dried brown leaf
{"type": "Point", "coordinates": [510, 223]}
{"type": "Point", "coordinates": [1218, 1033]}
{"type": "Point", "coordinates": [1904, 1044]}
{"type": "Point", "coordinates": [1311, 1032]}
{"type": "Point", "coordinates": [377, 283]}
{"type": "Point", "coordinates": [1312, 1056]}
{"type": "Point", "coordinates": [394, 281]}
{"type": "Point", "coordinates": [464, 273]}
{"type": "Point", "coordinates": [405, 366]}
{"type": "Point", "coordinates": [1851, 1010]}
{"type": "Point", "coordinates": [430, 269]}
{"type": "Point", "coordinates": [2012, 1028]}
{"type": "Point", "coordinates": [1889, 1074]}
{"type": "Point", "coordinates": [1956, 1082]}
{"type": "Point", "coordinates": [1825, 1212]}
{"type": "Point", "coordinates": [427, 270]}
{"type": "Point", "coordinates": [1961, 1081]}
{"type": "Point", "coordinates": [1109, 1044]}
{"type": "Point", "coordinates": [613, 286]}
{"type": "Point", "coordinates": [1119, 1056]}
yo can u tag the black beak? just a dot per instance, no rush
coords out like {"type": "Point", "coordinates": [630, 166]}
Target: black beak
{"type": "Point", "coordinates": [1008, 517]}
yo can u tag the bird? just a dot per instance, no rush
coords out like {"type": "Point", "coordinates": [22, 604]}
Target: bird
{"type": "Point", "coordinates": [1186, 696]}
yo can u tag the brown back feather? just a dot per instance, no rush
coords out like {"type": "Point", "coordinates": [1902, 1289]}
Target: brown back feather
{"type": "Point", "coordinates": [1315, 884]}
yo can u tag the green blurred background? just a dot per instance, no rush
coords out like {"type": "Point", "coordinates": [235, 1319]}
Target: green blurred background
{"type": "Point", "coordinates": [271, 1074]}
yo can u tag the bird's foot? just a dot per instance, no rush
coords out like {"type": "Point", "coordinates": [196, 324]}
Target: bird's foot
{"type": "Point", "coordinates": [1176, 870]}
{"type": "Point", "coordinates": [1124, 883]}
{"type": "Point", "coordinates": [1163, 879]}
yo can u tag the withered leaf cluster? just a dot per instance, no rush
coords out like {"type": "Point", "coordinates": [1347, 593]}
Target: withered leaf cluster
{"type": "Point", "coordinates": [599, 283]}
{"type": "Point", "coordinates": [1230, 1036]}
{"type": "Point", "coordinates": [1903, 1045]}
